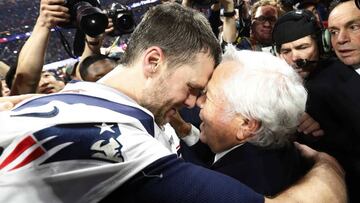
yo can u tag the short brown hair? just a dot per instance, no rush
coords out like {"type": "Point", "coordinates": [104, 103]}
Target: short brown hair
{"type": "Point", "coordinates": [179, 31]}
{"type": "Point", "coordinates": [261, 3]}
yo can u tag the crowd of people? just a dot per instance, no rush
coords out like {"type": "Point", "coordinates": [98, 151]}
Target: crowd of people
{"type": "Point", "coordinates": [18, 18]}
{"type": "Point", "coordinates": [205, 102]}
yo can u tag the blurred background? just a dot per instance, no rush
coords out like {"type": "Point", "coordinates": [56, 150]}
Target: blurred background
{"type": "Point", "coordinates": [17, 18]}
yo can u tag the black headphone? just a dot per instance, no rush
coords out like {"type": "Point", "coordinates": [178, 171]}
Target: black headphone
{"type": "Point", "coordinates": [322, 35]}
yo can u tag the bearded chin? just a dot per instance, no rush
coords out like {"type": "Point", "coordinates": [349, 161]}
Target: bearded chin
{"type": "Point", "coordinates": [158, 115]}
{"type": "Point", "coordinates": [159, 119]}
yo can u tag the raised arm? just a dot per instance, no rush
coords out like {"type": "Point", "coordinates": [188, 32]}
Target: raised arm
{"type": "Point", "coordinates": [32, 54]}
{"type": "Point", "coordinates": [229, 26]}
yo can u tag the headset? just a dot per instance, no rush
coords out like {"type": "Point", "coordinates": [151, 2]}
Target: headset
{"type": "Point", "coordinates": [322, 35]}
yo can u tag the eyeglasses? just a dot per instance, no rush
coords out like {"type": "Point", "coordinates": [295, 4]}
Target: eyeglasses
{"type": "Point", "coordinates": [263, 19]}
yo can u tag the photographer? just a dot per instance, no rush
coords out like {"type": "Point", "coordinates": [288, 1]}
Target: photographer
{"type": "Point", "coordinates": [92, 47]}
{"type": "Point", "coordinates": [32, 55]}
{"type": "Point", "coordinates": [120, 21]}
{"type": "Point", "coordinates": [264, 14]}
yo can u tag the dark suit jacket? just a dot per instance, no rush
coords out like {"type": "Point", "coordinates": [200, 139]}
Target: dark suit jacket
{"type": "Point", "coordinates": [334, 102]}
{"type": "Point", "coordinates": [267, 171]}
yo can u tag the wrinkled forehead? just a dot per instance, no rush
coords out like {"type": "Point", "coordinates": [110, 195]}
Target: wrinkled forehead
{"type": "Point", "coordinates": [224, 70]}
{"type": "Point", "coordinates": [266, 11]}
{"type": "Point", "coordinates": [343, 13]}
{"type": "Point", "coordinates": [298, 42]}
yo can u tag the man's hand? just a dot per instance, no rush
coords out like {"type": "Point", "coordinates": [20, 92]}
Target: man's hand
{"type": "Point", "coordinates": [309, 126]}
{"type": "Point", "coordinates": [7, 103]}
{"type": "Point", "coordinates": [52, 13]}
{"type": "Point", "coordinates": [319, 158]}
{"type": "Point", "coordinates": [323, 183]}
{"type": "Point", "coordinates": [181, 127]}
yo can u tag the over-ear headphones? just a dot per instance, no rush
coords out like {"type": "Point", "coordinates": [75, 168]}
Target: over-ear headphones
{"type": "Point", "coordinates": [297, 24]}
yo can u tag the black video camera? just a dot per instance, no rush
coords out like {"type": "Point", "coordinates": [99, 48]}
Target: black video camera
{"type": "Point", "coordinates": [88, 16]}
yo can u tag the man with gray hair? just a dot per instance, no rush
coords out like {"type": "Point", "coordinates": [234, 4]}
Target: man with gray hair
{"type": "Point", "coordinates": [98, 140]}
{"type": "Point", "coordinates": [249, 113]}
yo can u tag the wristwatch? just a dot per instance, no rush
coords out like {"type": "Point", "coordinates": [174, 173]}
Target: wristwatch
{"type": "Point", "coordinates": [229, 14]}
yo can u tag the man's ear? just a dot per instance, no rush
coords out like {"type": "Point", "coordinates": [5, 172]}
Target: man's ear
{"type": "Point", "coordinates": [247, 129]}
{"type": "Point", "coordinates": [152, 58]}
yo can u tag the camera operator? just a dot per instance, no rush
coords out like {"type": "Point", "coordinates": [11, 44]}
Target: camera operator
{"type": "Point", "coordinates": [92, 47]}
{"type": "Point", "coordinates": [119, 21]}
{"type": "Point", "coordinates": [32, 55]}
{"type": "Point", "coordinates": [57, 13]}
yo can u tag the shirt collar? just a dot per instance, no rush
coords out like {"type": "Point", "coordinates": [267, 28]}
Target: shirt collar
{"type": "Point", "coordinates": [221, 154]}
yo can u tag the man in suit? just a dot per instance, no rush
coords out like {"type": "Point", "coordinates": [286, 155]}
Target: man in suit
{"type": "Point", "coordinates": [344, 26]}
{"type": "Point", "coordinates": [332, 101]}
{"type": "Point", "coordinates": [249, 112]}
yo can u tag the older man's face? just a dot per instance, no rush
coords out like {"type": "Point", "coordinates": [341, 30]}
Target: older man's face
{"type": "Point", "coordinates": [218, 128]}
{"type": "Point", "coordinates": [344, 26]}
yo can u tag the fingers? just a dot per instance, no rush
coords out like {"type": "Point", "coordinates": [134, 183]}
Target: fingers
{"type": "Point", "coordinates": [181, 127]}
{"type": "Point", "coordinates": [318, 133]}
{"type": "Point", "coordinates": [309, 126]}
{"type": "Point", "coordinates": [110, 26]}
{"type": "Point", "coordinates": [315, 157]}
{"type": "Point", "coordinates": [6, 103]}
{"type": "Point", "coordinates": [305, 151]}
{"type": "Point", "coordinates": [54, 6]}
{"type": "Point", "coordinates": [53, 13]}
{"type": "Point", "coordinates": [53, 2]}
{"type": "Point", "coordinates": [4, 106]}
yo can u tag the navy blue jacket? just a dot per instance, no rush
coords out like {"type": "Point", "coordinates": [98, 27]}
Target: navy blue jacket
{"type": "Point", "coordinates": [334, 102]}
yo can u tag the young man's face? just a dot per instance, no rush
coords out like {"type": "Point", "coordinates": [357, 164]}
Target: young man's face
{"type": "Point", "coordinates": [303, 48]}
{"type": "Point", "coordinates": [177, 88]}
{"type": "Point", "coordinates": [344, 26]}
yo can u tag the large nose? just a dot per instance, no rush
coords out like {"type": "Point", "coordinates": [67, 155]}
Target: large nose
{"type": "Point", "coordinates": [343, 37]}
{"type": "Point", "coordinates": [44, 81]}
{"type": "Point", "coordinates": [190, 101]}
{"type": "Point", "coordinates": [295, 55]}
{"type": "Point", "coordinates": [200, 101]}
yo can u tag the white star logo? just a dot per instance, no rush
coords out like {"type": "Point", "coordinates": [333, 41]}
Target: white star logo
{"type": "Point", "coordinates": [104, 127]}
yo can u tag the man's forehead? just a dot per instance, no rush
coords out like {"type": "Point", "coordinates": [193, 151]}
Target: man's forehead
{"type": "Point", "coordinates": [343, 13]}
{"type": "Point", "coordinates": [225, 69]}
{"type": "Point", "coordinates": [267, 10]}
{"type": "Point", "coordinates": [300, 41]}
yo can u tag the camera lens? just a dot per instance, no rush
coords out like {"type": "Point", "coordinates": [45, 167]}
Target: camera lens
{"type": "Point", "coordinates": [122, 19]}
{"type": "Point", "coordinates": [124, 22]}
{"type": "Point", "coordinates": [91, 20]}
